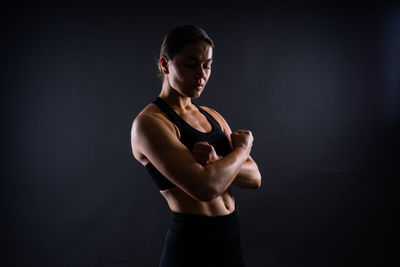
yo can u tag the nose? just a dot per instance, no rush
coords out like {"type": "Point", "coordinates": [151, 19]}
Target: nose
{"type": "Point", "coordinates": [200, 74]}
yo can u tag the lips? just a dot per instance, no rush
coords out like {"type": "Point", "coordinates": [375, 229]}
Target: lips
{"type": "Point", "coordinates": [200, 83]}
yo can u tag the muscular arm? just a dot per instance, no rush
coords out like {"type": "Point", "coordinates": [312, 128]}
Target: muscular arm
{"type": "Point", "coordinates": [248, 175]}
{"type": "Point", "coordinates": [157, 141]}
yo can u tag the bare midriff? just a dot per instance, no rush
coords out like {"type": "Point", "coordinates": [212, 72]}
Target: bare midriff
{"type": "Point", "coordinates": [179, 201]}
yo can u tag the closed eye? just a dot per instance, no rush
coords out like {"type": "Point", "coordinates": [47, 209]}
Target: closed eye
{"type": "Point", "coordinates": [194, 66]}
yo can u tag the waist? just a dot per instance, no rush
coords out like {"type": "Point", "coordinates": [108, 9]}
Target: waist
{"type": "Point", "coordinates": [200, 225]}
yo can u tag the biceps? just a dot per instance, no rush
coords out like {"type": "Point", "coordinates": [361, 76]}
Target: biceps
{"type": "Point", "coordinates": [175, 162]}
{"type": "Point", "coordinates": [172, 160]}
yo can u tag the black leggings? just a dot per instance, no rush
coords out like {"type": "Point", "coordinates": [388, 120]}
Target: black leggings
{"type": "Point", "coordinates": [196, 240]}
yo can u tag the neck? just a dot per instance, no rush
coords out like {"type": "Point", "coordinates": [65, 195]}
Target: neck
{"type": "Point", "coordinates": [173, 98]}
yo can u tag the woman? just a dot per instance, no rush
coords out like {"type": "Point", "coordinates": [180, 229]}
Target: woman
{"type": "Point", "coordinates": [193, 157]}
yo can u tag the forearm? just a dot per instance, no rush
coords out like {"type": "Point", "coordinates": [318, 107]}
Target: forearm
{"type": "Point", "coordinates": [221, 173]}
{"type": "Point", "coordinates": [248, 176]}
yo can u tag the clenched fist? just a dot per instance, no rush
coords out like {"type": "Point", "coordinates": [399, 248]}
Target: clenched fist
{"type": "Point", "coordinates": [242, 139]}
{"type": "Point", "coordinates": [205, 153]}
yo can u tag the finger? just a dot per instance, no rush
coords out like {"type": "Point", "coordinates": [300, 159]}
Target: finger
{"type": "Point", "coordinates": [202, 154]}
{"type": "Point", "coordinates": [199, 155]}
{"type": "Point", "coordinates": [240, 132]}
{"type": "Point", "coordinates": [204, 147]}
{"type": "Point", "coordinates": [197, 151]}
{"type": "Point", "coordinates": [201, 150]}
{"type": "Point", "coordinates": [201, 158]}
{"type": "Point", "coordinates": [202, 143]}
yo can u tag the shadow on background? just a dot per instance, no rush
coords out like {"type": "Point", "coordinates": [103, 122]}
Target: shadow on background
{"type": "Point", "coordinates": [316, 83]}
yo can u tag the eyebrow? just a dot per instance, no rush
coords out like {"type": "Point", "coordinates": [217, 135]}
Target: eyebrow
{"type": "Point", "coordinates": [196, 59]}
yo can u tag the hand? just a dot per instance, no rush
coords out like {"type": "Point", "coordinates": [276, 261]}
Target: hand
{"type": "Point", "coordinates": [205, 153]}
{"type": "Point", "coordinates": [242, 139]}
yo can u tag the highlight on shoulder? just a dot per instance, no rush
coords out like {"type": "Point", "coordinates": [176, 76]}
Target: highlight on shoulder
{"type": "Point", "coordinates": [150, 120]}
{"type": "Point", "coordinates": [218, 117]}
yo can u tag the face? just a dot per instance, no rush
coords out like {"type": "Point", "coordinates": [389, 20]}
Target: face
{"type": "Point", "coordinates": [190, 69]}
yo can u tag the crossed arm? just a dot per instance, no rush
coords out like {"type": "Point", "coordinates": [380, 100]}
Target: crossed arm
{"type": "Point", "coordinates": [248, 176]}
{"type": "Point", "coordinates": [201, 181]}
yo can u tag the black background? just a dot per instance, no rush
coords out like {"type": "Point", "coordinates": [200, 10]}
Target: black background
{"type": "Point", "coordinates": [317, 84]}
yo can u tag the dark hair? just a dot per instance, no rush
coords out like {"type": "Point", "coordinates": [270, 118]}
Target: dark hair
{"type": "Point", "coordinates": [175, 40]}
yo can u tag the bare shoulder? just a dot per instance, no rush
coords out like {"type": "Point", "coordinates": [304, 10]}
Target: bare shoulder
{"type": "Point", "coordinates": [220, 119]}
{"type": "Point", "coordinates": [150, 111]}
{"type": "Point", "coordinates": [150, 124]}
{"type": "Point", "coordinates": [213, 113]}
{"type": "Point", "coordinates": [151, 116]}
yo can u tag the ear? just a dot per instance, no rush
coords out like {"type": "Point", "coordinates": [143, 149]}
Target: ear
{"type": "Point", "coordinates": [164, 64]}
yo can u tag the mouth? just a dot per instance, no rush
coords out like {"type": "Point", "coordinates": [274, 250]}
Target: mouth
{"type": "Point", "coordinates": [199, 86]}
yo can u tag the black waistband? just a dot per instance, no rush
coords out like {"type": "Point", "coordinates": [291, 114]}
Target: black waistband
{"type": "Point", "coordinates": [192, 224]}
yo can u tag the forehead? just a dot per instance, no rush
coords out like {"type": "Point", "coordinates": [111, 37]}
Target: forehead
{"type": "Point", "coordinates": [201, 51]}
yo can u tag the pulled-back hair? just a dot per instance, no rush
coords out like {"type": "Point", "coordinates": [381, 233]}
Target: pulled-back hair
{"type": "Point", "coordinates": [178, 37]}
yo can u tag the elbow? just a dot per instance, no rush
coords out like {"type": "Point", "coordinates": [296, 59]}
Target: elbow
{"type": "Point", "coordinates": [258, 183]}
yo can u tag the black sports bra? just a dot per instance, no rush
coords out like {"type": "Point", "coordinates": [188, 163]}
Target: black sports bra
{"type": "Point", "coordinates": [189, 135]}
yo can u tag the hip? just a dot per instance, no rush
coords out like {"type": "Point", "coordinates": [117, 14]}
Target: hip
{"type": "Point", "coordinates": [197, 240]}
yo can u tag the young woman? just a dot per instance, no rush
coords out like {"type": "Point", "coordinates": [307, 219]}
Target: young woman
{"type": "Point", "coordinates": [193, 156]}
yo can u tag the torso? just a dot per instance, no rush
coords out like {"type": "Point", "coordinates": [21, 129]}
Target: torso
{"type": "Point", "coordinates": [177, 199]}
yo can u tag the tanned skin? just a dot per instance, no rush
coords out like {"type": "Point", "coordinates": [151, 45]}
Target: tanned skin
{"type": "Point", "coordinates": [202, 178]}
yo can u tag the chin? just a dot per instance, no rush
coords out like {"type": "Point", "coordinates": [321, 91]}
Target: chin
{"type": "Point", "coordinates": [196, 95]}
{"type": "Point", "coordinates": [191, 93]}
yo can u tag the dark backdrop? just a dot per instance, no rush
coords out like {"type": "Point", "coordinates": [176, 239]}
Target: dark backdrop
{"type": "Point", "coordinates": [317, 84]}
